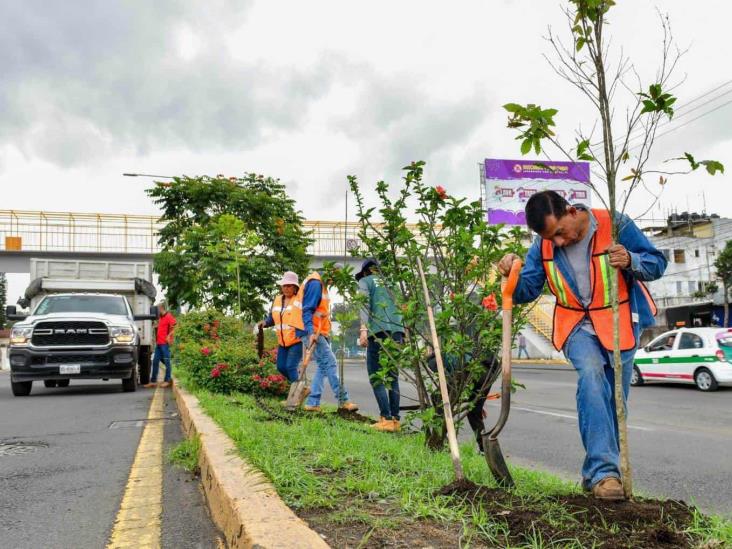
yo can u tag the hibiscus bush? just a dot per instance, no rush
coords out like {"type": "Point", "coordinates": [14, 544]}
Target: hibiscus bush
{"type": "Point", "coordinates": [219, 353]}
{"type": "Point", "coordinates": [458, 249]}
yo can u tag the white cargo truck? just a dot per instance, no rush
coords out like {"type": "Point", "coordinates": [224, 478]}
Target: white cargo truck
{"type": "Point", "coordinates": [88, 320]}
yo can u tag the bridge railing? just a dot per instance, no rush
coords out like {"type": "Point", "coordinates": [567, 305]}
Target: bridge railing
{"type": "Point", "coordinates": [22, 230]}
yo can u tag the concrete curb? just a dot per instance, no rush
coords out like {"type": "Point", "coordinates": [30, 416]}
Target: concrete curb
{"type": "Point", "coordinates": [243, 503]}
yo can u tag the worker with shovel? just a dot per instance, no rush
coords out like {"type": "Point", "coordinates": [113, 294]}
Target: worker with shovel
{"type": "Point", "coordinates": [575, 255]}
{"type": "Point", "coordinates": [315, 302]}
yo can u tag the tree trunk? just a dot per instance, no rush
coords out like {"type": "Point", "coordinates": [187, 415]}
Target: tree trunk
{"type": "Point", "coordinates": [726, 305]}
{"type": "Point", "coordinates": [625, 469]}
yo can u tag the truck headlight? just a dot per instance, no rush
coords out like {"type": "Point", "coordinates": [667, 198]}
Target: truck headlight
{"type": "Point", "coordinates": [122, 334]}
{"type": "Point", "coordinates": [21, 335]}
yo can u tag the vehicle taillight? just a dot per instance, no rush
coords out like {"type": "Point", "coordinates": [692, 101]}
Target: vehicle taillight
{"type": "Point", "coordinates": [720, 356]}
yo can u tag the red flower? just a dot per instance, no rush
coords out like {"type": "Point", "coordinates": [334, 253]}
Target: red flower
{"type": "Point", "coordinates": [216, 372]}
{"type": "Point", "coordinates": [489, 303]}
{"type": "Point", "coordinates": [452, 296]}
{"type": "Point", "coordinates": [205, 351]}
{"type": "Point", "coordinates": [441, 192]}
{"type": "Point", "coordinates": [216, 323]}
{"type": "Point", "coordinates": [206, 328]}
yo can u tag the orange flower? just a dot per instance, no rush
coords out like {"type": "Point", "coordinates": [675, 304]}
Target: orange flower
{"type": "Point", "coordinates": [441, 192]}
{"type": "Point", "coordinates": [489, 302]}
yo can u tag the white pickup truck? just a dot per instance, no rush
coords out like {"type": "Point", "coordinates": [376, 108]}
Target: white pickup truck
{"type": "Point", "coordinates": [88, 320]}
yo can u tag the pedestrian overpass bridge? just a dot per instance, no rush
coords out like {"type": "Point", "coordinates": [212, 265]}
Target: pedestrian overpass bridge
{"type": "Point", "coordinates": [123, 237]}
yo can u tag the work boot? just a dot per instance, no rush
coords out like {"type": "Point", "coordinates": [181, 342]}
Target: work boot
{"type": "Point", "coordinates": [609, 488]}
{"type": "Point", "coordinates": [386, 425]}
{"type": "Point", "coordinates": [397, 426]}
{"type": "Point", "coordinates": [348, 406]}
{"type": "Point", "coordinates": [150, 385]}
{"type": "Point", "coordinates": [311, 408]}
{"type": "Point", "coordinates": [165, 384]}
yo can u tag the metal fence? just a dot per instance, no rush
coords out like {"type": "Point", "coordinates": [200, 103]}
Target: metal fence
{"type": "Point", "coordinates": [119, 233]}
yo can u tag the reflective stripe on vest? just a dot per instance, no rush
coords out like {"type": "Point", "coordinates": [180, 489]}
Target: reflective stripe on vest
{"type": "Point", "coordinates": [286, 320]}
{"type": "Point", "coordinates": [570, 311]}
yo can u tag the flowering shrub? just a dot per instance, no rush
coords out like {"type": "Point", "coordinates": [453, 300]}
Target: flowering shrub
{"type": "Point", "coordinates": [219, 354]}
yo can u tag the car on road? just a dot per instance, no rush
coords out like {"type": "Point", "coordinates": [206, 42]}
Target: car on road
{"type": "Point", "coordinates": [699, 356]}
{"type": "Point", "coordinates": [75, 336]}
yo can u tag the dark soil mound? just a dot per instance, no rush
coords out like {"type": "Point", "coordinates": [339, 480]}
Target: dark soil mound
{"type": "Point", "coordinates": [641, 523]}
{"type": "Point", "coordinates": [353, 416]}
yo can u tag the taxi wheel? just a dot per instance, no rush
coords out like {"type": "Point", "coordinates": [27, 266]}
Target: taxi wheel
{"type": "Point", "coordinates": [705, 380]}
{"type": "Point", "coordinates": [636, 378]}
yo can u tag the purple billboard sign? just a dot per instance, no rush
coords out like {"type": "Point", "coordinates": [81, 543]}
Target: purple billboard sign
{"type": "Point", "coordinates": [510, 183]}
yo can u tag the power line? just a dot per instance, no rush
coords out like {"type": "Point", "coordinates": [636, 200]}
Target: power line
{"type": "Point", "coordinates": [688, 122]}
{"type": "Point", "coordinates": [685, 106]}
{"type": "Point", "coordinates": [673, 120]}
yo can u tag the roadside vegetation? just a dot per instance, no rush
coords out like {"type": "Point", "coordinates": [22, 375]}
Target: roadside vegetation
{"type": "Point", "coordinates": [185, 454]}
{"type": "Point", "coordinates": [361, 488]}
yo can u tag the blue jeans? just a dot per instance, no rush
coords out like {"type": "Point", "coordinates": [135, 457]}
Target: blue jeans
{"type": "Point", "coordinates": [288, 359]}
{"type": "Point", "coordinates": [388, 401]}
{"type": "Point", "coordinates": [327, 368]}
{"type": "Point", "coordinates": [596, 404]}
{"type": "Point", "coordinates": [162, 352]}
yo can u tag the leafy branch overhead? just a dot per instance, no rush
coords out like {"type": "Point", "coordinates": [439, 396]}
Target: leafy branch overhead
{"type": "Point", "coordinates": [534, 123]}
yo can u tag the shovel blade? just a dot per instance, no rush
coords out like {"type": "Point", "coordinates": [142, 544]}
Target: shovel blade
{"type": "Point", "coordinates": [496, 463]}
{"type": "Point", "coordinates": [296, 395]}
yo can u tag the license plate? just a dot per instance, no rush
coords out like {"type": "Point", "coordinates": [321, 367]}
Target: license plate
{"type": "Point", "coordinates": [69, 369]}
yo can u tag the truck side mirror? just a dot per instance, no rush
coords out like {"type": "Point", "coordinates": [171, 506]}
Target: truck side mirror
{"type": "Point", "coordinates": [152, 316]}
{"type": "Point", "coordinates": [11, 313]}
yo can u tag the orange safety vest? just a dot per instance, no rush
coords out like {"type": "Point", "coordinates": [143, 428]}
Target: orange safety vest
{"type": "Point", "coordinates": [569, 311]}
{"type": "Point", "coordinates": [287, 319]}
{"type": "Point", "coordinates": [321, 316]}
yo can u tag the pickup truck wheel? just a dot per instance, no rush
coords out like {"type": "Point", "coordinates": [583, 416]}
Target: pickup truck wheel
{"type": "Point", "coordinates": [129, 385]}
{"type": "Point", "coordinates": [144, 365]}
{"type": "Point", "coordinates": [21, 388]}
{"type": "Point", "coordinates": [50, 383]}
{"type": "Point", "coordinates": [63, 383]}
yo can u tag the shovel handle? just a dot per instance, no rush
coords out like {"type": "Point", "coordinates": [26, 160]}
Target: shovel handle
{"type": "Point", "coordinates": [508, 284]}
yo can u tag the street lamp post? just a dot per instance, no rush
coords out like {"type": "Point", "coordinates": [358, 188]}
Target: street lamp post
{"type": "Point", "coordinates": [147, 175]}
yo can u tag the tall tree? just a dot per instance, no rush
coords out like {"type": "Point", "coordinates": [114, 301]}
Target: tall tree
{"type": "Point", "coordinates": [723, 264]}
{"type": "Point", "coordinates": [204, 213]}
{"type": "Point", "coordinates": [610, 81]}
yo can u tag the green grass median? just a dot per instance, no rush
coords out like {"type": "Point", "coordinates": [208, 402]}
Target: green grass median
{"type": "Point", "coordinates": [361, 488]}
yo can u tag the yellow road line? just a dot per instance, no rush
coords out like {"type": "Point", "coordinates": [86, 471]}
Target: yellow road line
{"type": "Point", "coordinates": [140, 513]}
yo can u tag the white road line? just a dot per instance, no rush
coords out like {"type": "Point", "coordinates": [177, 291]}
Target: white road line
{"type": "Point", "coordinates": [571, 416]}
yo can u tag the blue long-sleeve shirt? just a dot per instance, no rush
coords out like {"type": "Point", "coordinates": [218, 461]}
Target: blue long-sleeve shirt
{"type": "Point", "coordinates": [311, 299]}
{"type": "Point", "coordinates": [646, 263]}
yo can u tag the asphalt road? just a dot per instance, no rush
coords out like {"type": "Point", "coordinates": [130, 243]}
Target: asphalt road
{"type": "Point", "coordinates": [680, 438]}
{"type": "Point", "coordinates": [78, 444]}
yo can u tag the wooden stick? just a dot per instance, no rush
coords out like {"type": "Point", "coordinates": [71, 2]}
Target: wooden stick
{"type": "Point", "coordinates": [451, 436]}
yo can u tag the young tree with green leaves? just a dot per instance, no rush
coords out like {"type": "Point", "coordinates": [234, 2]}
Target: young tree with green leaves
{"type": "Point", "coordinates": [628, 115]}
{"type": "Point", "coordinates": [723, 264]}
{"type": "Point", "coordinates": [251, 215]}
{"type": "Point", "coordinates": [458, 248]}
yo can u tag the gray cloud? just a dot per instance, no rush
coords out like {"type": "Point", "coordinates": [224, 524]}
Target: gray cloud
{"type": "Point", "coordinates": [82, 78]}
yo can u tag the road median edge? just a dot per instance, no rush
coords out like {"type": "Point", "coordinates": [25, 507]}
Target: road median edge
{"type": "Point", "coordinates": [242, 502]}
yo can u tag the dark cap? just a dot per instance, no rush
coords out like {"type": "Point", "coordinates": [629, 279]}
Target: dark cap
{"type": "Point", "coordinates": [370, 262]}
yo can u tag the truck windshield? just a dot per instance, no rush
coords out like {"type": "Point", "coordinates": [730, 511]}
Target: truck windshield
{"type": "Point", "coordinates": [111, 305]}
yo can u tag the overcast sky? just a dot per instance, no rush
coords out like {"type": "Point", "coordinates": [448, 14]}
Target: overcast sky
{"type": "Point", "coordinates": [312, 91]}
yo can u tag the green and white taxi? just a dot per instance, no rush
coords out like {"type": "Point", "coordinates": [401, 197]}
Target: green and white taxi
{"type": "Point", "coordinates": [702, 356]}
